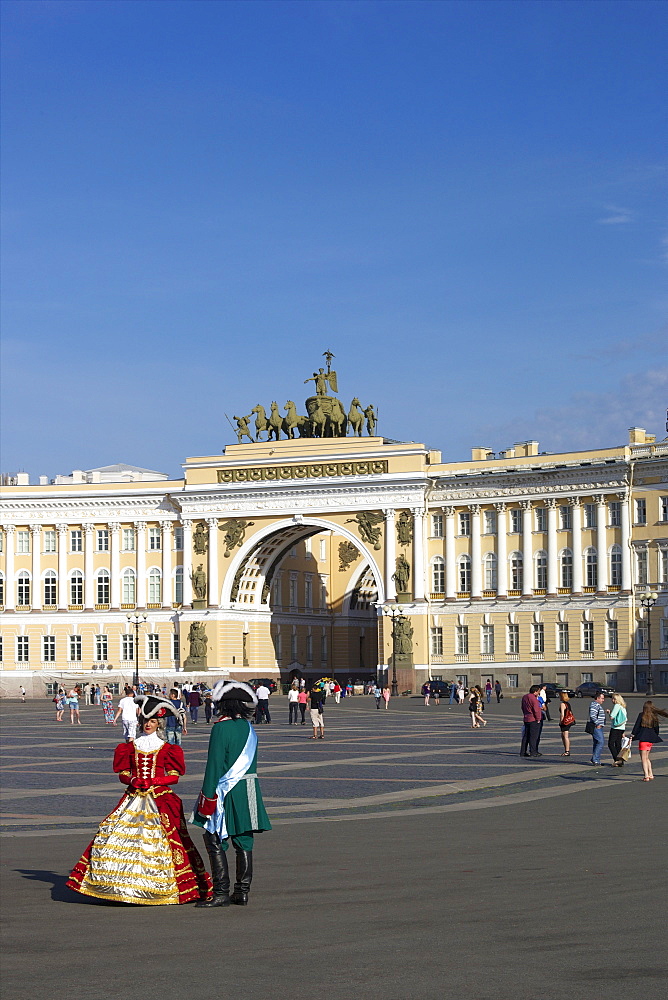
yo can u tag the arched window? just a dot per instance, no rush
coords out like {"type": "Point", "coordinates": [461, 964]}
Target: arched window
{"type": "Point", "coordinates": [129, 587]}
{"type": "Point", "coordinates": [178, 585]}
{"type": "Point", "coordinates": [438, 575]}
{"type": "Point", "coordinates": [616, 565]}
{"type": "Point", "coordinates": [540, 559]}
{"type": "Point", "coordinates": [154, 587]}
{"type": "Point", "coordinates": [2, 590]}
{"type": "Point", "coordinates": [516, 571]}
{"type": "Point", "coordinates": [591, 568]}
{"type": "Point", "coordinates": [50, 591]}
{"type": "Point", "coordinates": [566, 569]}
{"type": "Point", "coordinates": [103, 587]}
{"type": "Point", "coordinates": [76, 587]}
{"type": "Point", "coordinates": [490, 574]}
{"type": "Point", "coordinates": [465, 574]}
{"type": "Point", "coordinates": [23, 588]}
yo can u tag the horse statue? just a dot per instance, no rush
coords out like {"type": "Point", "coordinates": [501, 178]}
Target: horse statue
{"type": "Point", "coordinates": [355, 417]}
{"type": "Point", "coordinates": [318, 421]}
{"type": "Point", "coordinates": [337, 419]}
{"type": "Point", "coordinates": [294, 420]}
{"type": "Point", "coordinates": [275, 422]}
{"type": "Point", "coordinates": [261, 424]}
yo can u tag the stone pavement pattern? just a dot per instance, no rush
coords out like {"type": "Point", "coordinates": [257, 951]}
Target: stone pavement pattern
{"type": "Point", "coordinates": [411, 857]}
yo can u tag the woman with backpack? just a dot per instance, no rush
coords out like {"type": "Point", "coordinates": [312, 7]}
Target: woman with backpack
{"type": "Point", "coordinates": [618, 717]}
{"type": "Point", "coordinates": [566, 722]}
{"type": "Point", "coordinates": [646, 732]}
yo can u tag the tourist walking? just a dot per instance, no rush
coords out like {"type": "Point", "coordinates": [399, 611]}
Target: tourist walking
{"type": "Point", "coordinates": [566, 722]}
{"type": "Point", "coordinates": [107, 703]}
{"type": "Point", "coordinates": [208, 707]}
{"type": "Point", "coordinates": [175, 726]}
{"type": "Point", "coordinates": [127, 713]}
{"type": "Point", "coordinates": [73, 702]}
{"type": "Point", "coordinates": [317, 704]}
{"type": "Point", "coordinates": [461, 692]}
{"type": "Point", "coordinates": [436, 693]}
{"type": "Point", "coordinates": [488, 690]}
{"type": "Point", "coordinates": [386, 697]}
{"type": "Point", "coordinates": [498, 691]}
{"type": "Point", "coordinates": [378, 694]}
{"type": "Point", "coordinates": [262, 712]}
{"type": "Point", "coordinates": [646, 732]}
{"type": "Point", "coordinates": [22, 692]}
{"type": "Point", "coordinates": [337, 693]}
{"type": "Point", "coordinates": [475, 708]}
{"type": "Point", "coordinates": [293, 705]}
{"type": "Point", "coordinates": [532, 715]}
{"type": "Point", "coordinates": [596, 727]}
{"type": "Point", "coordinates": [194, 702]}
{"type": "Point", "coordinates": [453, 692]}
{"type": "Point", "coordinates": [302, 699]}
{"type": "Point", "coordinates": [425, 692]}
{"type": "Point", "coordinates": [618, 716]}
{"type": "Point", "coordinates": [61, 704]}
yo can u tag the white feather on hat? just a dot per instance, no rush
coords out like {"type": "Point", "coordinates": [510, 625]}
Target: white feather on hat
{"type": "Point", "coordinates": [234, 691]}
{"type": "Point", "coordinates": [152, 707]}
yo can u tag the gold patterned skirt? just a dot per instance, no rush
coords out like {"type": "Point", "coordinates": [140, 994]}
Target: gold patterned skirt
{"type": "Point", "coordinates": [142, 853]}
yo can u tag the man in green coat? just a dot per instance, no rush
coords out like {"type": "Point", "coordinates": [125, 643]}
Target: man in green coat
{"type": "Point", "coordinates": [230, 804]}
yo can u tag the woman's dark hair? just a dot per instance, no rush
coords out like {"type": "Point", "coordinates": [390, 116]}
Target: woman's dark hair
{"type": "Point", "coordinates": [650, 715]}
{"type": "Point", "coordinates": [235, 709]}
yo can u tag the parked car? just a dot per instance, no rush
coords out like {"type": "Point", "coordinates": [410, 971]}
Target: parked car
{"type": "Point", "coordinates": [442, 687]}
{"type": "Point", "coordinates": [554, 690]}
{"type": "Point", "coordinates": [267, 681]}
{"type": "Point", "coordinates": [589, 689]}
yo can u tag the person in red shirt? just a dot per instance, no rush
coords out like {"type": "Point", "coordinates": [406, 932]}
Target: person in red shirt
{"type": "Point", "coordinates": [532, 714]}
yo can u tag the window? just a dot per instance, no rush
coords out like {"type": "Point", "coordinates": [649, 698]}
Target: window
{"type": "Point", "coordinates": [101, 648]}
{"type": "Point", "coordinates": [515, 521]}
{"type": "Point", "coordinates": [591, 565]}
{"type": "Point", "coordinates": [541, 518]}
{"type": "Point", "coordinates": [102, 539]}
{"type": "Point", "coordinates": [128, 539]}
{"type": "Point", "coordinates": [464, 523]}
{"type": "Point", "coordinates": [48, 648]}
{"type": "Point", "coordinates": [128, 646]}
{"type": "Point", "coordinates": [641, 636]}
{"type": "Point", "coordinates": [293, 592]}
{"type": "Point", "coordinates": [154, 539]}
{"type": "Point", "coordinates": [323, 592]}
{"type": "Point", "coordinates": [49, 541]}
{"type": "Point", "coordinates": [22, 649]}
{"type": "Point", "coordinates": [293, 552]}
{"type": "Point", "coordinates": [563, 642]}
{"type": "Point", "coordinates": [663, 678]}
{"type": "Point", "coordinates": [153, 645]}
{"type": "Point", "coordinates": [323, 549]}
{"type": "Point", "coordinates": [323, 648]}
{"type": "Point", "coordinates": [616, 566]}
{"type": "Point", "coordinates": [178, 585]}
{"type": "Point", "coordinates": [309, 648]}
{"type": "Point", "coordinates": [615, 514]}
{"type": "Point", "coordinates": [590, 515]}
{"type": "Point", "coordinates": [437, 641]}
{"type": "Point", "coordinates": [588, 637]}
{"type": "Point", "coordinates": [102, 587]}
{"type": "Point", "coordinates": [75, 649]}
{"type": "Point", "coordinates": [567, 569]}
{"type": "Point", "coordinates": [541, 570]}
{"type": "Point", "coordinates": [438, 575]}
{"type": "Point", "coordinates": [641, 567]}
{"type": "Point", "coordinates": [178, 539]}
{"type": "Point", "coordinates": [489, 568]}
{"type": "Point", "coordinates": [293, 647]}
{"type": "Point", "coordinates": [663, 508]}
{"type": "Point", "coordinates": [50, 588]}
{"type": "Point", "coordinates": [154, 586]}
{"type": "Point", "coordinates": [586, 677]}
{"type": "Point", "coordinates": [512, 681]}
{"type": "Point", "coordinates": [2, 542]}
{"type": "Point", "coordinates": [308, 593]}
{"type": "Point", "coordinates": [22, 542]}
{"type": "Point", "coordinates": [487, 639]}
{"type": "Point", "coordinates": [76, 540]}
{"type": "Point", "coordinates": [437, 525]}
{"type": "Point", "coordinates": [490, 522]}
{"type": "Point", "coordinates": [465, 574]}
{"type": "Point", "coordinates": [512, 638]}
{"type": "Point", "coordinates": [565, 517]}
{"type": "Point", "coordinates": [176, 650]}
{"type": "Point", "coordinates": [462, 640]}
{"type": "Point", "coordinates": [129, 589]}
{"type": "Point", "coordinates": [76, 588]}
{"type": "Point", "coordinates": [611, 678]}
{"type": "Point", "coordinates": [538, 637]}
{"type": "Point", "coordinates": [23, 588]}
{"type": "Point", "coordinates": [278, 645]}
{"type": "Point", "coordinates": [2, 590]}
{"type": "Point", "coordinates": [641, 512]}
{"type": "Point", "coordinates": [663, 566]}
{"type": "Point", "coordinates": [307, 546]}
{"type": "Point", "coordinates": [664, 633]}
{"type": "Point", "coordinates": [612, 637]}
{"type": "Point", "coordinates": [562, 679]}
{"type": "Point", "coordinates": [516, 571]}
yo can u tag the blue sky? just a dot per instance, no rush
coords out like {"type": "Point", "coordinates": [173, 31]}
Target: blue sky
{"type": "Point", "coordinates": [465, 202]}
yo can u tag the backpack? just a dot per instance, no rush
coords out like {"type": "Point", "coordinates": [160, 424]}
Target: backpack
{"type": "Point", "coordinates": [569, 718]}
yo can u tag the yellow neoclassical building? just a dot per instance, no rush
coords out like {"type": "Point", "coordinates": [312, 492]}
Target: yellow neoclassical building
{"type": "Point", "coordinates": [348, 556]}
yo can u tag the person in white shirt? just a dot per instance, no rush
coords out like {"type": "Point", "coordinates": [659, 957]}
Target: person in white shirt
{"type": "Point", "coordinates": [262, 712]}
{"type": "Point", "coordinates": [127, 712]}
{"type": "Point", "coordinates": [293, 705]}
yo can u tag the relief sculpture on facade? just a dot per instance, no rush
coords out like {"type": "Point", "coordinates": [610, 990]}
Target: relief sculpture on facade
{"type": "Point", "coordinates": [369, 525]}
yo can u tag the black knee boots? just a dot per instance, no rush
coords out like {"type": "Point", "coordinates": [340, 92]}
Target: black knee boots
{"type": "Point", "coordinates": [219, 872]}
{"type": "Point", "coordinates": [244, 877]}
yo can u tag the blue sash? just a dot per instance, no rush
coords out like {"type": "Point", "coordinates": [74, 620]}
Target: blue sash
{"type": "Point", "coordinates": [239, 770]}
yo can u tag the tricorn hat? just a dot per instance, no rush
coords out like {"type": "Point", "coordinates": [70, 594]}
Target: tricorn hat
{"type": "Point", "coordinates": [154, 708]}
{"type": "Point", "coordinates": [234, 691]}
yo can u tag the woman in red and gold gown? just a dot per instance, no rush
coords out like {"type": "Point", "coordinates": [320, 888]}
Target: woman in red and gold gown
{"type": "Point", "coordinates": [142, 852]}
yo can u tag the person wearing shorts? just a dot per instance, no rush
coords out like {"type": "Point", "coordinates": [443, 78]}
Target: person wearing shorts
{"type": "Point", "coordinates": [127, 711]}
{"type": "Point", "coordinates": [316, 703]}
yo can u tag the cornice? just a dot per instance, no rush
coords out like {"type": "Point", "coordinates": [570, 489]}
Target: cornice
{"type": "Point", "coordinates": [86, 509]}
{"type": "Point", "coordinates": [295, 499]}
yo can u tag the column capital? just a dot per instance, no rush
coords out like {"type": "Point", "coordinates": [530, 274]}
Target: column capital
{"type": "Point", "coordinates": [187, 522]}
{"type": "Point", "coordinates": [165, 525]}
{"type": "Point", "coordinates": [575, 501]}
{"type": "Point", "coordinates": [10, 528]}
{"type": "Point", "coordinates": [390, 513]}
{"type": "Point", "coordinates": [418, 511]}
{"type": "Point", "coordinates": [212, 522]}
{"type": "Point", "coordinates": [449, 511]}
{"type": "Point", "coordinates": [114, 527]}
{"type": "Point", "coordinates": [551, 502]}
{"type": "Point", "coordinates": [140, 525]}
{"type": "Point", "coordinates": [501, 506]}
{"type": "Point", "coordinates": [525, 504]}
{"type": "Point", "coordinates": [623, 497]}
{"type": "Point", "coordinates": [599, 499]}
{"type": "Point", "coordinates": [61, 529]}
{"type": "Point", "coordinates": [88, 528]}
{"type": "Point", "coordinates": [35, 528]}
{"type": "Point", "coordinates": [474, 508]}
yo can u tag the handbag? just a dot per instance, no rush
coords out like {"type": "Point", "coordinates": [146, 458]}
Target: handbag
{"type": "Point", "coordinates": [590, 728]}
{"type": "Point", "coordinates": [625, 752]}
{"type": "Point", "coordinates": [569, 718]}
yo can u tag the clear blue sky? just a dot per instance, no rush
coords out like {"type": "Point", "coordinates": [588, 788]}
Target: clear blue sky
{"type": "Point", "coordinates": [465, 202]}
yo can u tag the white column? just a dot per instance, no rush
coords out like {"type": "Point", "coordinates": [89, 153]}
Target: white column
{"type": "Point", "coordinates": [501, 551]}
{"type": "Point", "coordinates": [626, 552]}
{"type": "Point", "coordinates": [450, 560]}
{"type": "Point", "coordinates": [187, 562]}
{"type": "Point", "coordinates": [418, 554]}
{"type": "Point", "coordinates": [476, 557]}
{"type": "Point", "coordinates": [166, 542]}
{"type": "Point", "coordinates": [10, 582]}
{"type": "Point", "coordinates": [552, 558]}
{"type": "Point", "coordinates": [115, 569]}
{"type": "Point", "coordinates": [576, 544]}
{"type": "Point", "coordinates": [89, 588]}
{"type": "Point", "coordinates": [390, 555]}
{"type": "Point", "coordinates": [36, 594]}
{"type": "Point", "coordinates": [63, 596]}
{"type": "Point", "coordinates": [214, 595]}
{"type": "Point", "coordinates": [601, 546]}
{"type": "Point", "coordinates": [527, 547]}
{"type": "Point", "coordinates": [140, 527]}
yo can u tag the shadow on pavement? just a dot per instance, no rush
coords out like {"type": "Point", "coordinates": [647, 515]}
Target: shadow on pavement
{"type": "Point", "coordinates": [59, 890]}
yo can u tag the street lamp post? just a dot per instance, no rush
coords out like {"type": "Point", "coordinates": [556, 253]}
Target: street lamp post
{"type": "Point", "coordinates": [647, 600]}
{"type": "Point", "coordinates": [393, 611]}
{"type": "Point", "coordinates": [136, 620]}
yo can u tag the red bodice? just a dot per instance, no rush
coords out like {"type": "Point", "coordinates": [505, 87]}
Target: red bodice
{"type": "Point", "coordinates": [163, 766]}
